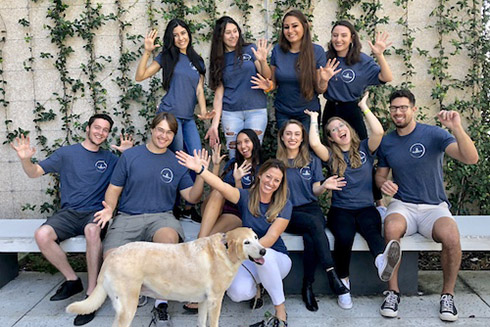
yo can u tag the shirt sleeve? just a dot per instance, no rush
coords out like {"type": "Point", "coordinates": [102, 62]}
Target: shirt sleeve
{"type": "Point", "coordinates": [120, 173]}
{"type": "Point", "coordinates": [316, 166]}
{"type": "Point", "coordinates": [286, 211]}
{"type": "Point", "coordinates": [372, 72]}
{"type": "Point", "coordinates": [320, 56]}
{"type": "Point", "coordinates": [444, 138]}
{"type": "Point", "coordinates": [382, 162]}
{"type": "Point", "coordinates": [185, 181]}
{"type": "Point", "coordinates": [273, 56]}
{"type": "Point", "coordinates": [249, 51]}
{"type": "Point", "coordinates": [53, 163]}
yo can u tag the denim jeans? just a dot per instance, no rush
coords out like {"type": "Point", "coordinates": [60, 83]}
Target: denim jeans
{"type": "Point", "coordinates": [233, 122]}
{"type": "Point", "coordinates": [187, 135]}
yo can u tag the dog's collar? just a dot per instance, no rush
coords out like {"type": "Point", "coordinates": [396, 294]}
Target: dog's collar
{"type": "Point", "coordinates": [223, 240]}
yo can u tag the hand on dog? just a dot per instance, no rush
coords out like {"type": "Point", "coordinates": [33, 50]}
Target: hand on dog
{"type": "Point", "coordinates": [103, 216]}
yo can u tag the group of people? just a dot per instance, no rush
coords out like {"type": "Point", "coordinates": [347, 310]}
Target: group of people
{"type": "Point", "coordinates": [139, 189]}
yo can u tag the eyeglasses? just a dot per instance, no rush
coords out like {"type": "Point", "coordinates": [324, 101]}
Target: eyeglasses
{"type": "Point", "coordinates": [336, 129]}
{"type": "Point", "coordinates": [401, 108]}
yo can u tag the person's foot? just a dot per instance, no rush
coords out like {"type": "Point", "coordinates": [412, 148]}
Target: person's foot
{"type": "Point", "coordinates": [191, 214]}
{"type": "Point", "coordinates": [258, 301]}
{"type": "Point", "coordinates": [142, 301]}
{"type": "Point", "coordinates": [67, 289]}
{"type": "Point", "coordinates": [308, 296]}
{"type": "Point", "coordinates": [161, 317]}
{"type": "Point", "coordinates": [389, 308]}
{"type": "Point", "coordinates": [345, 300]}
{"type": "Point", "coordinates": [337, 287]}
{"type": "Point", "coordinates": [191, 307]}
{"type": "Point", "coordinates": [388, 260]}
{"type": "Point", "coordinates": [270, 321]}
{"type": "Point", "coordinates": [81, 320]}
{"type": "Point", "coordinates": [447, 311]}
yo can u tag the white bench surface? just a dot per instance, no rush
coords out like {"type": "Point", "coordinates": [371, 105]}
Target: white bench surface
{"type": "Point", "coordinates": [17, 235]}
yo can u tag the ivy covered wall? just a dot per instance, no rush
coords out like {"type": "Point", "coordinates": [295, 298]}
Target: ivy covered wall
{"type": "Point", "coordinates": [62, 61]}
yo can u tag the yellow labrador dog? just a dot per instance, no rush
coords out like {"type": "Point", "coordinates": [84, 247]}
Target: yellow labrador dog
{"type": "Point", "coordinates": [198, 271]}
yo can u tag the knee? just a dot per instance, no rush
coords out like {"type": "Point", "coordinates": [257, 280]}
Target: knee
{"type": "Point", "coordinates": [44, 235]}
{"type": "Point", "coordinates": [240, 292]}
{"type": "Point", "coordinates": [92, 233]}
{"type": "Point", "coordinates": [394, 228]}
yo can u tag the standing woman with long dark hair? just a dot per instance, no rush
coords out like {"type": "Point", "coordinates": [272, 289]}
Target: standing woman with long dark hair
{"type": "Point", "coordinates": [183, 73]}
{"type": "Point", "coordinates": [232, 64]}
{"type": "Point", "coordinates": [352, 71]}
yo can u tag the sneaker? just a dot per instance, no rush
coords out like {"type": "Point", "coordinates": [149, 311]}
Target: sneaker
{"type": "Point", "coordinates": [67, 289]}
{"type": "Point", "coordinates": [270, 321]}
{"type": "Point", "coordinates": [388, 260]}
{"type": "Point", "coordinates": [81, 320]}
{"type": "Point", "coordinates": [191, 215]}
{"type": "Point", "coordinates": [448, 311]}
{"type": "Point", "coordinates": [142, 301]}
{"type": "Point", "coordinates": [161, 317]}
{"type": "Point", "coordinates": [345, 300]}
{"type": "Point", "coordinates": [389, 308]}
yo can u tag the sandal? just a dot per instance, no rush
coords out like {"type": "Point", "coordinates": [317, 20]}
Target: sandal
{"type": "Point", "coordinates": [258, 301]}
{"type": "Point", "coordinates": [189, 308]}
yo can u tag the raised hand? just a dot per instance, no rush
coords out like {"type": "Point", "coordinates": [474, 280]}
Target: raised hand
{"type": "Point", "coordinates": [330, 69]}
{"type": "Point", "coordinates": [389, 188]}
{"type": "Point", "coordinates": [450, 119]}
{"type": "Point", "coordinates": [204, 156]}
{"type": "Point", "coordinates": [206, 115]}
{"type": "Point", "coordinates": [334, 183]}
{"type": "Point", "coordinates": [216, 156]}
{"type": "Point", "coordinates": [313, 114]}
{"type": "Point", "coordinates": [23, 147]}
{"type": "Point", "coordinates": [150, 41]}
{"type": "Point", "coordinates": [262, 50]}
{"type": "Point", "coordinates": [126, 142]}
{"type": "Point", "coordinates": [188, 161]}
{"type": "Point", "coordinates": [363, 103]}
{"type": "Point", "coordinates": [103, 216]}
{"type": "Point", "coordinates": [260, 82]}
{"type": "Point", "coordinates": [381, 43]}
{"type": "Point", "coordinates": [241, 171]}
{"type": "Point", "coordinates": [213, 136]}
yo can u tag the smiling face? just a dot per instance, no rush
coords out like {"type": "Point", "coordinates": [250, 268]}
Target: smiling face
{"type": "Point", "coordinates": [161, 136]}
{"type": "Point", "coordinates": [98, 132]}
{"type": "Point", "coordinates": [269, 181]}
{"type": "Point", "coordinates": [292, 137]}
{"type": "Point", "coordinates": [244, 145]}
{"type": "Point", "coordinates": [293, 29]}
{"type": "Point", "coordinates": [341, 40]}
{"type": "Point", "coordinates": [401, 118]}
{"type": "Point", "coordinates": [339, 133]}
{"type": "Point", "coordinates": [181, 38]}
{"type": "Point", "coordinates": [230, 36]}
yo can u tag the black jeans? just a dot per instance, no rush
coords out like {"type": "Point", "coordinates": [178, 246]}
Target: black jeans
{"type": "Point", "coordinates": [344, 223]}
{"type": "Point", "coordinates": [348, 111]}
{"type": "Point", "coordinates": [308, 220]}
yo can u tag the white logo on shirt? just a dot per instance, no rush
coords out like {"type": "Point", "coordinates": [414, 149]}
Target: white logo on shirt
{"type": "Point", "coordinates": [305, 173]}
{"type": "Point", "coordinates": [247, 180]}
{"type": "Point", "coordinates": [101, 166]}
{"type": "Point", "coordinates": [192, 66]}
{"type": "Point", "coordinates": [348, 75]}
{"type": "Point", "coordinates": [417, 150]}
{"type": "Point", "coordinates": [363, 157]}
{"type": "Point", "coordinates": [246, 57]}
{"type": "Point", "coordinates": [167, 175]}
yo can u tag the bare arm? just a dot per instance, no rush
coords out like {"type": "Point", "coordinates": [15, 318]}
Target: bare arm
{"type": "Point", "coordinates": [111, 197]}
{"type": "Point", "coordinates": [320, 150]}
{"type": "Point", "coordinates": [143, 72]}
{"type": "Point", "coordinates": [374, 125]}
{"type": "Point", "coordinates": [332, 183]}
{"type": "Point", "coordinates": [212, 132]}
{"type": "Point", "coordinates": [25, 153]}
{"type": "Point", "coordinates": [385, 74]}
{"type": "Point", "coordinates": [201, 100]}
{"type": "Point", "coordinates": [381, 178]}
{"type": "Point", "coordinates": [463, 149]}
{"type": "Point", "coordinates": [261, 58]}
{"type": "Point", "coordinates": [324, 74]}
{"type": "Point", "coordinates": [274, 232]}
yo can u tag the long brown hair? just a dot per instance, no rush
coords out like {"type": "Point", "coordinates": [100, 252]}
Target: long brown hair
{"type": "Point", "coordinates": [303, 158]}
{"type": "Point", "coordinates": [338, 164]}
{"type": "Point", "coordinates": [279, 198]}
{"type": "Point", "coordinates": [305, 66]}
{"type": "Point", "coordinates": [354, 54]}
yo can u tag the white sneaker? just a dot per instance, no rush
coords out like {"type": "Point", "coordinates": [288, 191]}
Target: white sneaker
{"type": "Point", "coordinates": [388, 260]}
{"type": "Point", "coordinates": [345, 300]}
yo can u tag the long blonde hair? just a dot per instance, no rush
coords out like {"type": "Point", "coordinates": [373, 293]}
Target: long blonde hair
{"type": "Point", "coordinates": [303, 158]}
{"type": "Point", "coordinates": [338, 164]}
{"type": "Point", "coordinates": [279, 197]}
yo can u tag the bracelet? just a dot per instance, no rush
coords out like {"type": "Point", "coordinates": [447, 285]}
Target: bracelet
{"type": "Point", "coordinates": [271, 86]}
{"type": "Point", "coordinates": [366, 111]}
{"type": "Point", "coordinates": [202, 169]}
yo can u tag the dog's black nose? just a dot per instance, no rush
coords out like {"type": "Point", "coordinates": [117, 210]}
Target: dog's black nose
{"type": "Point", "coordinates": [262, 252]}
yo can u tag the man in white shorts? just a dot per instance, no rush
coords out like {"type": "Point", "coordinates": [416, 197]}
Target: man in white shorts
{"type": "Point", "coordinates": [414, 152]}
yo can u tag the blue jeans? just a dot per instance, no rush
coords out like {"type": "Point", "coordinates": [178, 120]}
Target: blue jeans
{"type": "Point", "coordinates": [233, 122]}
{"type": "Point", "coordinates": [283, 118]}
{"type": "Point", "coordinates": [187, 135]}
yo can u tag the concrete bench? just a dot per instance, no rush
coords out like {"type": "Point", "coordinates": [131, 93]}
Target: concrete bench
{"type": "Point", "coordinates": [17, 236]}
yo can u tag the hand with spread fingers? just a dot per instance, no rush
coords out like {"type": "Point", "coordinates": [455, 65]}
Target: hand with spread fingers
{"type": "Point", "coordinates": [103, 216]}
{"type": "Point", "coordinates": [150, 41]}
{"type": "Point", "coordinates": [216, 156]}
{"type": "Point", "coordinates": [260, 82]}
{"type": "Point", "coordinates": [334, 183]}
{"type": "Point", "coordinates": [381, 43]}
{"type": "Point", "coordinates": [23, 147]}
{"type": "Point", "coordinates": [190, 162]}
{"type": "Point", "coordinates": [126, 142]}
{"type": "Point", "coordinates": [243, 170]}
{"type": "Point", "coordinates": [262, 51]}
{"type": "Point", "coordinates": [330, 70]}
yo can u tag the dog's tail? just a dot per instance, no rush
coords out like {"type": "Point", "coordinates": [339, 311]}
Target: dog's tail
{"type": "Point", "coordinates": [90, 304]}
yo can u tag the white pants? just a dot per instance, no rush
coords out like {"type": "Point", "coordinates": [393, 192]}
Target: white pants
{"type": "Point", "coordinates": [275, 268]}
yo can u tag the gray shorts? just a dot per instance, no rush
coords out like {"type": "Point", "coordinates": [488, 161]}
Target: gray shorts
{"type": "Point", "coordinates": [133, 228]}
{"type": "Point", "coordinates": [69, 223]}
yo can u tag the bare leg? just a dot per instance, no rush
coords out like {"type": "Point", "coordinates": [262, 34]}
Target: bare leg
{"type": "Point", "coordinates": [211, 213]}
{"type": "Point", "coordinates": [46, 241]}
{"type": "Point", "coordinates": [446, 231]}
{"type": "Point", "coordinates": [395, 228]}
{"type": "Point", "coordinates": [225, 223]}
{"type": "Point", "coordinates": [93, 254]}
{"type": "Point", "coordinates": [166, 235]}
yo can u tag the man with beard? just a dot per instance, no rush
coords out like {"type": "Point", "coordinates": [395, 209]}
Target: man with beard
{"type": "Point", "coordinates": [414, 152]}
{"type": "Point", "coordinates": [84, 170]}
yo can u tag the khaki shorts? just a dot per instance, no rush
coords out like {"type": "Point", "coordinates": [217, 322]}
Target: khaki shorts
{"type": "Point", "coordinates": [419, 217]}
{"type": "Point", "coordinates": [133, 228]}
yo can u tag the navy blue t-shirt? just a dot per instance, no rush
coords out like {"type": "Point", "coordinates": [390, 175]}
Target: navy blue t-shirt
{"type": "Point", "coordinates": [247, 180]}
{"type": "Point", "coordinates": [358, 193]}
{"type": "Point", "coordinates": [260, 225]}
{"type": "Point", "coordinates": [416, 163]}
{"type": "Point", "coordinates": [301, 180]}
{"type": "Point", "coordinates": [151, 181]}
{"type": "Point", "coordinates": [180, 99]}
{"type": "Point", "coordinates": [349, 84]}
{"type": "Point", "coordinates": [238, 93]}
{"type": "Point", "coordinates": [289, 99]}
{"type": "Point", "coordinates": [84, 175]}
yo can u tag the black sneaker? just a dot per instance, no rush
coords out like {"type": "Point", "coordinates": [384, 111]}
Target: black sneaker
{"type": "Point", "coordinates": [271, 322]}
{"type": "Point", "coordinates": [389, 308]}
{"type": "Point", "coordinates": [448, 311]}
{"type": "Point", "coordinates": [161, 317]}
{"type": "Point", "coordinates": [191, 215]}
{"type": "Point", "coordinates": [81, 320]}
{"type": "Point", "coordinates": [142, 301]}
{"type": "Point", "coordinates": [67, 289]}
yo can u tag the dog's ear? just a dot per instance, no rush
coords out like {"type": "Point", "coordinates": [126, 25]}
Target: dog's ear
{"type": "Point", "coordinates": [232, 250]}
